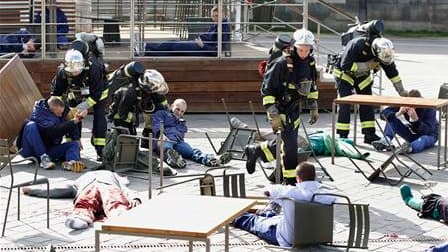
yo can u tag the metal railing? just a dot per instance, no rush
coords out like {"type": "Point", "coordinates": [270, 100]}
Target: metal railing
{"type": "Point", "coordinates": [126, 25]}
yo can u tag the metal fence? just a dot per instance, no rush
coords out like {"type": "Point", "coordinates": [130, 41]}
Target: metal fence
{"type": "Point", "coordinates": [129, 26]}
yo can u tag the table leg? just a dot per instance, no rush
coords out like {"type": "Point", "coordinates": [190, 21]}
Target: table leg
{"type": "Point", "coordinates": [446, 130]}
{"type": "Point", "coordinates": [190, 247]}
{"type": "Point", "coordinates": [355, 109]}
{"type": "Point", "coordinates": [226, 239]}
{"type": "Point", "coordinates": [439, 145]}
{"type": "Point", "coordinates": [333, 122]}
{"type": "Point", "coordinates": [97, 240]}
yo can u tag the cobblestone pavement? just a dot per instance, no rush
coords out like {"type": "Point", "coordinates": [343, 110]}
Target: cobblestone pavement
{"type": "Point", "coordinates": [394, 227]}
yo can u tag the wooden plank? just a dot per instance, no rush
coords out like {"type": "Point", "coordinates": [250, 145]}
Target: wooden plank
{"type": "Point", "coordinates": [18, 93]}
{"type": "Point", "coordinates": [392, 101]}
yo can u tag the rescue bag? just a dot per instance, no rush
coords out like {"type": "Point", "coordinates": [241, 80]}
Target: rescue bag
{"type": "Point", "coordinates": [370, 30]}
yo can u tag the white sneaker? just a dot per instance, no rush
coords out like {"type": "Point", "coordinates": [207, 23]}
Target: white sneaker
{"type": "Point", "coordinates": [45, 162]}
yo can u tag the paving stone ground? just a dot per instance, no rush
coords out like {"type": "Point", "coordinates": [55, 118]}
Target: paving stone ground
{"type": "Point", "coordinates": [394, 227]}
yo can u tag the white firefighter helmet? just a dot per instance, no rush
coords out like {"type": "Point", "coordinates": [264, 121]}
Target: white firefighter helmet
{"type": "Point", "coordinates": [303, 37]}
{"type": "Point", "coordinates": [74, 62]}
{"type": "Point", "coordinates": [152, 81]}
{"type": "Point", "coordinates": [383, 49]}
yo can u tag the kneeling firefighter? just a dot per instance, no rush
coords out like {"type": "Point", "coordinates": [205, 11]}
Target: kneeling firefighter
{"type": "Point", "coordinates": [289, 84]}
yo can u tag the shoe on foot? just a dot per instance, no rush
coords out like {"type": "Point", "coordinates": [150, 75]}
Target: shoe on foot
{"type": "Point", "coordinates": [369, 138]}
{"type": "Point", "coordinates": [225, 158]}
{"type": "Point", "coordinates": [74, 166]}
{"type": "Point", "coordinates": [381, 145]}
{"type": "Point", "coordinates": [45, 162]}
{"type": "Point", "coordinates": [76, 222]}
{"type": "Point", "coordinates": [175, 160]}
{"type": "Point", "coordinates": [406, 193]}
{"type": "Point", "coordinates": [167, 171]}
{"type": "Point", "coordinates": [251, 155]}
{"type": "Point", "coordinates": [406, 148]}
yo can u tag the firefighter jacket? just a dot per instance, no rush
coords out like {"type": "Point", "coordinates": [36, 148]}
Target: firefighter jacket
{"type": "Point", "coordinates": [89, 85]}
{"type": "Point", "coordinates": [286, 89]}
{"type": "Point", "coordinates": [350, 67]}
{"type": "Point", "coordinates": [130, 100]}
{"type": "Point", "coordinates": [51, 127]}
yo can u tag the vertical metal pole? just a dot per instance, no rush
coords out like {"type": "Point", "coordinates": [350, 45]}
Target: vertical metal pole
{"type": "Point", "coordinates": [445, 108]}
{"type": "Point", "coordinates": [43, 31]}
{"type": "Point", "coordinates": [440, 139]}
{"type": "Point", "coordinates": [162, 150]}
{"type": "Point", "coordinates": [220, 16]}
{"type": "Point", "coordinates": [97, 240]}
{"type": "Point", "coordinates": [278, 158]}
{"type": "Point", "coordinates": [52, 28]}
{"type": "Point", "coordinates": [150, 166]}
{"type": "Point", "coordinates": [226, 237]}
{"type": "Point", "coordinates": [333, 137]}
{"type": "Point", "coordinates": [131, 30]}
{"type": "Point", "coordinates": [317, 44]}
{"type": "Point", "coordinates": [305, 14]}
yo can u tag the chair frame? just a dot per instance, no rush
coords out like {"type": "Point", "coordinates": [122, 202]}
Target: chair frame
{"type": "Point", "coordinates": [5, 161]}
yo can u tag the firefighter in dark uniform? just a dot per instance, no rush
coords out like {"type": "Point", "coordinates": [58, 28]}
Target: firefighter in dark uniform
{"type": "Point", "coordinates": [145, 94]}
{"type": "Point", "coordinates": [359, 58]}
{"type": "Point", "coordinates": [288, 85]}
{"type": "Point", "coordinates": [80, 81]}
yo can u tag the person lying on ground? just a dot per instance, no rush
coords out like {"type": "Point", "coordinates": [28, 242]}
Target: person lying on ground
{"type": "Point", "coordinates": [278, 228]}
{"type": "Point", "coordinates": [97, 195]}
{"type": "Point", "coordinates": [20, 42]}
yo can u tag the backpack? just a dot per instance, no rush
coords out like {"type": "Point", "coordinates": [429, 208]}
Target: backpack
{"type": "Point", "coordinates": [281, 43]}
{"type": "Point", "coordinates": [370, 30]}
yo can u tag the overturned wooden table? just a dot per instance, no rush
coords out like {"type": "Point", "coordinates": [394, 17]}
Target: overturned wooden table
{"type": "Point", "coordinates": [438, 104]}
{"type": "Point", "coordinates": [185, 217]}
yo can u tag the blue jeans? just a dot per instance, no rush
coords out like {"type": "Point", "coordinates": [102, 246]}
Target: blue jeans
{"type": "Point", "coordinates": [418, 142]}
{"type": "Point", "coordinates": [264, 226]}
{"type": "Point", "coordinates": [33, 146]}
{"type": "Point", "coordinates": [188, 152]}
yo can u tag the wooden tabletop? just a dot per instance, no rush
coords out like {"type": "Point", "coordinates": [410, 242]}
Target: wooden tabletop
{"type": "Point", "coordinates": [180, 215]}
{"type": "Point", "coordinates": [375, 100]}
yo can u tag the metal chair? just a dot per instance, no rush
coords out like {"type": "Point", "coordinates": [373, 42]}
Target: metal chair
{"type": "Point", "coordinates": [313, 223]}
{"type": "Point", "coordinates": [19, 179]}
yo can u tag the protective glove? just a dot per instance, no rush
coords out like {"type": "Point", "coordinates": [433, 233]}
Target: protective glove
{"type": "Point", "coordinates": [314, 116]}
{"type": "Point", "coordinates": [276, 122]}
{"type": "Point", "coordinates": [83, 106]}
{"type": "Point", "coordinates": [374, 65]}
{"type": "Point", "coordinates": [400, 89]}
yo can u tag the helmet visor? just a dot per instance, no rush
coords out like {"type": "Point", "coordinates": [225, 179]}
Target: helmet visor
{"type": "Point", "coordinates": [386, 56]}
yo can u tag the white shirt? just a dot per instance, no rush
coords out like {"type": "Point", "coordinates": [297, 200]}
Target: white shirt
{"type": "Point", "coordinates": [303, 191]}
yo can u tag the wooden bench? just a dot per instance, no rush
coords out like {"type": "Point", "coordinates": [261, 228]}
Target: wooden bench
{"type": "Point", "coordinates": [202, 82]}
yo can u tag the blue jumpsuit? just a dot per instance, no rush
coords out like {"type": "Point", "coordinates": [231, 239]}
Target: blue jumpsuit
{"type": "Point", "coordinates": [421, 134]}
{"type": "Point", "coordinates": [190, 48]}
{"type": "Point", "coordinates": [62, 26]}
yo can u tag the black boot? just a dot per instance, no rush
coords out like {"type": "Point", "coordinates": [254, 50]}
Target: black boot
{"type": "Point", "coordinates": [271, 177]}
{"type": "Point", "coordinates": [252, 154]}
{"type": "Point", "coordinates": [371, 137]}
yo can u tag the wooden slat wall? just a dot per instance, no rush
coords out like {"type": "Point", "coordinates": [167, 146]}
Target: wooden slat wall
{"type": "Point", "coordinates": [14, 11]}
{"type": "Point", "coordinates": [201, 82]}
{"type": "Point", "coordinates": [17, 96]}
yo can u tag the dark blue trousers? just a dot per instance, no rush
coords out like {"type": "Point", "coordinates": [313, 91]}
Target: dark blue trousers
{"type": "Point", "coordinates": [263, 226]}
{"type": "Point", "coordinates": [176, 48]}
{"type": "Point", "coordinates": [33, 146]}
{"type": "Point", "coordinates": [418, 142]}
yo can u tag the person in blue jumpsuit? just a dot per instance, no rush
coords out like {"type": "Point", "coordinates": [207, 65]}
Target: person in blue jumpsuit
{"type": "Point", "coordinates": [360, 57]}
{"type": "Point", "coordinates": [81, 83]}
{"type": "Point", "coordinates": [61, 28]}
{"type": "Point", "coordinates": [288, 86]}
{"type": "Point", "coordinates": [206, 44]}
{"type": "Point", "coordinates": [20, 42]}
{"type": "Point", "coordinates": [418, 126]}
{"type": "Point", "coordinates": [41, 136]}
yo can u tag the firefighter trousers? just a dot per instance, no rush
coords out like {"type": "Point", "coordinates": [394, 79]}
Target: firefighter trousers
{"type": "Point", "coordinates": [99, 127]}
{"type": "Point", "coordinates": [362, 85]}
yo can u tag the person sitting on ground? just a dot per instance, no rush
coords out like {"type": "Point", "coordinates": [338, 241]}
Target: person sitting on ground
{"type": "Point", "coordinates": [419, 127]}
{"type": "Point", "coordinates": [97, 195]}
{"type": "Point", "coordinates": [61, 28]}
{"type": "Point", "coordinates": [175, 147]}
{"type": "Point", "coordinates": [204, 45]}
{"type": "Point", "coordinates": [278, 229]}
{"type": "Point", "coordinates": [41, 135]}
{"type": "Point", "coordinates": [19, 42]}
